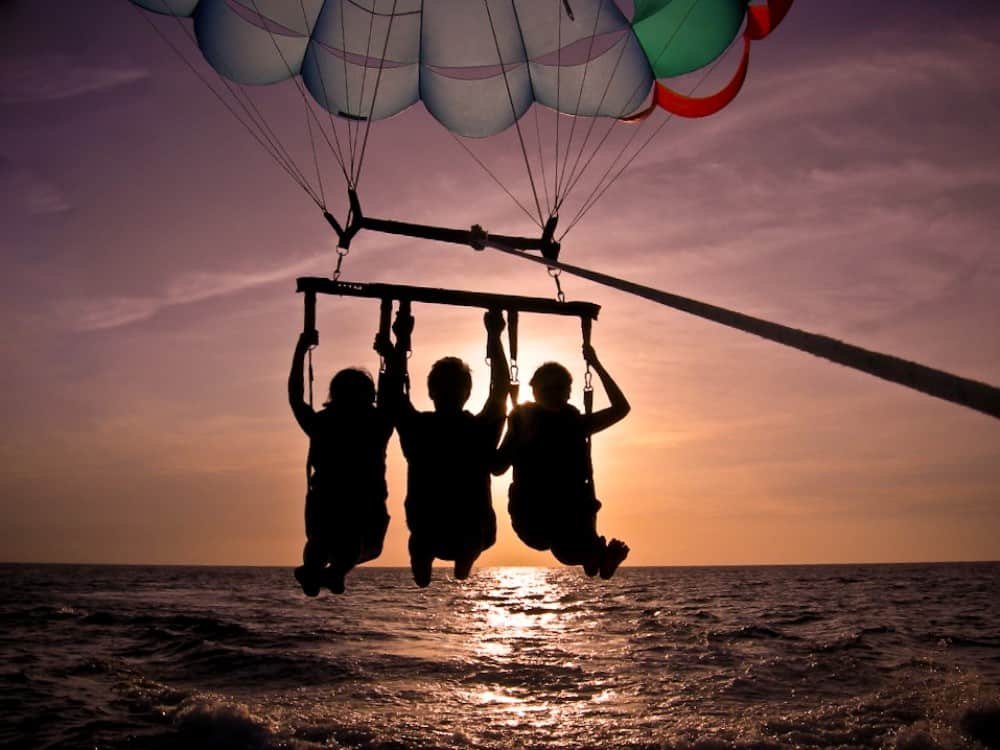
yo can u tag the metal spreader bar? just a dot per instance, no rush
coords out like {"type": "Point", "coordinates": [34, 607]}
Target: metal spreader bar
{"type": "Point", "coordinates": [313, 285]}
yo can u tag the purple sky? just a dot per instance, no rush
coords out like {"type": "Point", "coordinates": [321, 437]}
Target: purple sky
{"type": "Point", "coordinates": [149, 253]}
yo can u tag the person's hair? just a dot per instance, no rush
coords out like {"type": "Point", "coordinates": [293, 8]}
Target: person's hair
{"type": "Point", "coordinates": [449, 376]}
{"type": "Point", "coordinates": [551, 375]}
{"type": "Point", "coordinates": [351, 387]}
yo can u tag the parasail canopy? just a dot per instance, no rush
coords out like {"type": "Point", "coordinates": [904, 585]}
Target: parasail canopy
{"type": "Point", "coordinates": [477, 65]}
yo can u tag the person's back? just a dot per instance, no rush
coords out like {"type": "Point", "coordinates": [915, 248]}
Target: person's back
{"type": "Point", "coordinates": [347, 450]}
{"type": "Point", "coordinates": [448, 496]}
{"type": "Point", "coordinates": [449, 452]}
{"type": "Point", "coordinates": [551, 452]}
{"type": "Point", "coordinates": [345, 515]}
{"type": "Point", "coordinates": [552, 502]}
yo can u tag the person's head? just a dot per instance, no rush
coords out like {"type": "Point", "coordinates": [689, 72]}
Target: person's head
{"type": "Point", "coordinates": [351, 388]}
{"type": "Point", "coordinates": [449, 384]}
{"type": "Point", "coordinates": [551, 384]}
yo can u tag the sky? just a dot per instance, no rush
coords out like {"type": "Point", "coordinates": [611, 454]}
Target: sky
{"type": "Point", "coordinates": [149, 252]}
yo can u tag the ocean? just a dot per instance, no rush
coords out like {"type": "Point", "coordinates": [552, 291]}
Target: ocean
{"type": "Point", "coordinates": [847, 656]}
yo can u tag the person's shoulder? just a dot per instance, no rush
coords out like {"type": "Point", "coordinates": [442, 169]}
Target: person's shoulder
{"type": "Point", "coordinates": [525, 409]}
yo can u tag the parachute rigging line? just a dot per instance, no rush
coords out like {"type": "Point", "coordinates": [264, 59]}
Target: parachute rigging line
{"type": "Point", "coordinates": [305, 103]}
{"type": "Point", "coordinates": [338, 155]}
{"type": "Point", "coordinates": [364, 81]}
{"type": "Point", "coordinates": [756, 26]}
{"type": "Point", "coordinates": [574, 176]}
{"type": "Point", "coordinates": [595, 196]}
{"type": "Point", "coordinates": [555, 114]}
{"type": "Point", "coordinates": [513, 109]}
{"type": "Point", "coordinates": [496, 179]}
{"type": "Point", "coordinates": [973, 394]}
{"type": "Point", "coordinates": [583, 81]}
{"type": "Point", "coordinates": [347, 89]}
{"type": "Point", "coordinates": [559, 172]}
{"type": "Point", "coordinates": [378, 80]}
{"type": "Point", "coordinates": [276, 152]}
{"type": "Point", "coordinates": [541, 160]}
{"type": "Point", "coordinates": [565, 155]}
{"type": "Point", "coordinates": [338, 152]}
{"type": "Point", "coordinates": [249, 108]}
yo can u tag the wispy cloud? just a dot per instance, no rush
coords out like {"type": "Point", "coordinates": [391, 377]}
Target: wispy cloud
{"type": "Point", "coordinates": [46, 78]}
{"type": "Point", "coordinates": [187, 288]}
{"type": "Point", "coordinates": [24, 191]}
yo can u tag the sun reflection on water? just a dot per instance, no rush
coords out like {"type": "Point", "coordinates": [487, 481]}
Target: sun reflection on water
{"type": "Point", "coordinates": [524, 606]}
{"type": "Point", "coordinates": [523, 626]}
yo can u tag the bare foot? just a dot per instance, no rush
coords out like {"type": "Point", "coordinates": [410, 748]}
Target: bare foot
{"type": "Point", "coordinates": [614, 555]}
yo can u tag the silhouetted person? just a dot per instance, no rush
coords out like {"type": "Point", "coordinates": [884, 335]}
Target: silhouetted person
{"type": "Point", "coordinates": [346, 517]}
{"type": "Point", "coordinates": [449, 451]}
{"type": "Point", "coordinates": [552, 503]}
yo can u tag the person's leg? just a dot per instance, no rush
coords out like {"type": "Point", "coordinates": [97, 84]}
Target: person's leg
{"type": "Point", "coordinates": [464, 563]}
{"type": "Point", "coordinates": [315, 554]}
{"type": "Point", "coordinates": [578, 542]}
{"type": "Point", "coordinates": [421, 560]}
{"type": "Point", "coordinates": [373, 537]}
{"type": "Point", "coordinates": [574, 550]}
{"type": "Point", "coordinates": [342, 561]}
{"type": "Point", "coordinates": [308, 574]}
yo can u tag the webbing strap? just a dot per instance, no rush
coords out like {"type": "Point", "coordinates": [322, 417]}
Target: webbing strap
{"type": "Point", "coordinates": [588, 400]}
{"type": "Point", "coordinates": [515, 385]}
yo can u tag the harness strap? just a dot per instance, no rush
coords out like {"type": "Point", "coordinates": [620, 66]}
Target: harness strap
{"type": "Point", "coordinates": [588, 401]}
{"type": "Point", "coordinates": [515, 384]}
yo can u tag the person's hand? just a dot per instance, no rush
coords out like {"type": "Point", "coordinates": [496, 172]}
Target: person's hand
{"type": "Point", "coordinates": [383, 345]}
{"type": "Point", "coordinates": [402, 326]}
{"type": "Point", "coordinates": [308, 339]}
{"type": "Point", "coordinates": [590, 355]}
{"type": "Point", "coordinates": [493, 319]}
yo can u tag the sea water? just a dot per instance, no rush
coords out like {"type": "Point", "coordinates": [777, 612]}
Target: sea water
{"type": "Point", "coordinates": [904, 656]}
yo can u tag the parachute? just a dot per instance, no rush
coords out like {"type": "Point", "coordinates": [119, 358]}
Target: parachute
{"type": "Point", "coordinates": [479, 67]}
{"type": "Point", "coordinates": [476, 66]}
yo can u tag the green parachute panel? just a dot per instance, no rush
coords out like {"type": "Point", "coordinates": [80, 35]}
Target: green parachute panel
{"type": "Point", "coordinates": [679, 36]}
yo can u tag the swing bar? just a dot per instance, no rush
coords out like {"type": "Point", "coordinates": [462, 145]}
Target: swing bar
{"type": "Point", "coordinates": [313, 285]}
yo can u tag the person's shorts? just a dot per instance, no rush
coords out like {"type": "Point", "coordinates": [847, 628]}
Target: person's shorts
{"type": "Point", "coordinates": [451, 536]}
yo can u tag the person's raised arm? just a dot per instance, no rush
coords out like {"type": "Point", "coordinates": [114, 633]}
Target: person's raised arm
{"type": "Point", "coordinates": [391, 391]}
{"type": "Point", "coordinates": [496, 403]}
{"type": "Point", "coordinates": [296, 391]}
{"type": "Point", "coordinates": [619, 407]}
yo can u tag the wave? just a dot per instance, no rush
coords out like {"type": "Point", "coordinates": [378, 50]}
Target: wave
{"type": "Point", "coordinates": [750, 632]}
{"type": "Point", "coordinates": [948, 640]}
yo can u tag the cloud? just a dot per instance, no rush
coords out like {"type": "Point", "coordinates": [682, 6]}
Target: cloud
{"type": "Point", "coordinates": [47, 78]}
{"type": "Point", "coordinates": [26, 192]}
{"type": "Point", "coordinates": [113, 312]}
